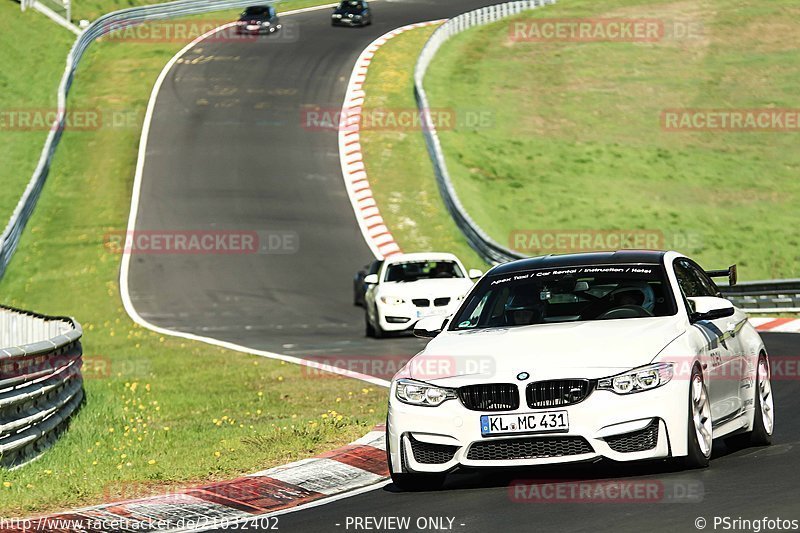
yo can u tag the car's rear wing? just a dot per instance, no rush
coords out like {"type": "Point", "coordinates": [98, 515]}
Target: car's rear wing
{"type": "Point", "coordinates": [729, 273]}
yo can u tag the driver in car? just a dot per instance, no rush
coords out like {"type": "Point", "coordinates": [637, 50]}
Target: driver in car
{"type": "Point", "coordinates": [639, 295]}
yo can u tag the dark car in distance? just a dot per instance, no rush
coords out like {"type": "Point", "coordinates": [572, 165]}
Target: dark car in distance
{"type": "Point", "coordinates": [359, 287]}
{"type": "Point", "coordinates": [258, 19]}
{"type": "Point", "coordinates": [352, 13]}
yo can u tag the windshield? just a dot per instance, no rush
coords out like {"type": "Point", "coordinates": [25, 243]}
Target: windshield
{"type": "Point", "coordinates": [567, 294]}
{"type": "Point", "coordinates": [256, 11]}
{"type": "Point", "coordinates": [415, 270]}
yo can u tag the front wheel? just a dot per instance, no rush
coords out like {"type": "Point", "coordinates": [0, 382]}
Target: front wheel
{"type": "Point", "coordinates": [699, 423]}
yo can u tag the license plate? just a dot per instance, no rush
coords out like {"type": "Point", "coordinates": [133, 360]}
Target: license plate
{"type": "Point", "coordinates": [542, 422]}
{"type": "Point", "coordinates": [430, 312]}
{"type": "Point", "coordinates": [252, 27]}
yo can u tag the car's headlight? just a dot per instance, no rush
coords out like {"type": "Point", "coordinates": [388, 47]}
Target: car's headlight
{"type": "Point", "coordinates": [419, 393]}
{"type": "Point", "coordinates": [392, 300]}
{"type": "Point", "coordinates": [639, 379]}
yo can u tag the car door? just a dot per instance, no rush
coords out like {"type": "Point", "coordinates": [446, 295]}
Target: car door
{"type": "Point", "coordinates": [717, 354]}
{"type": "Point", "coordinates": [732, 328]}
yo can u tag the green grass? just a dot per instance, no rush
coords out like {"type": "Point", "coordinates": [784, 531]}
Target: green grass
{"type": "Point", "coordinates": [29, 77]}
{"type": "Point", "coordinates": [577, 142]}
{"type": "Point", "coordinates": [397, 162]}
{"type": "Point", "coordinates": [160, 411]}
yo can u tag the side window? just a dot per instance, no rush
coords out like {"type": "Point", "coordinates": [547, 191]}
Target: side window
{"type": "Point", "coordinates": [709, 287]}
{"type": "Point", "coordinates": [692, 280]}
{"type": "Point", "coordinates": [705, 285]}
{"type": "Point", "coordinates": [686, 281]}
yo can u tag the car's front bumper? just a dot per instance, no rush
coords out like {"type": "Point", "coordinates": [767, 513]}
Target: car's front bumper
{"type": "Point", "coordinates": [404, 316]}
{"type": "Point", "coordinates": [604, 425]}
{"type": "Point", "coordinates": [257, 30]}
{"type": "Point", "coordinates": [347, 22]}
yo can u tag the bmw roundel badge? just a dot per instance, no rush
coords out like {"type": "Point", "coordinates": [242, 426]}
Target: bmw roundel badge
{"type": "Point", "coordinates": [522, 376]}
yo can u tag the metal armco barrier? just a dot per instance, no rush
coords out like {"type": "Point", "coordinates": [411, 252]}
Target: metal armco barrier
{"type": "Point", "coordinates": [769, 296]}
{"type": "Point", "coordinates": [103, 25]}
{"type": "Point", "coordinates": [40, 382]}
{"type": "Point", "coordinates": [488, 249]}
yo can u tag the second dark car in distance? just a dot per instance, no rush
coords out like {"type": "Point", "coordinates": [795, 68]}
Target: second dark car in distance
{"type": "Point", "coordinates": [352, 13]}
{"type": "Point", "coordinates": [258, 19]}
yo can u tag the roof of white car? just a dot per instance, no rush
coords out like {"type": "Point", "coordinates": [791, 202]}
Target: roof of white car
{"type": "Point", "coordinates": [425, 256]}
{"type": "Point", "coordinates": [655, 257]}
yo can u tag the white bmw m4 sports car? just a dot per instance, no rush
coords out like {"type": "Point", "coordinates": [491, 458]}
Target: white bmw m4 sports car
{"type": "Point", "coordinates": [629, 355]}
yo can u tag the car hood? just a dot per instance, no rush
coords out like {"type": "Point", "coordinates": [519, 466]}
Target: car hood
{"type": "Point", "coordinates": [592, 350]}
{"type": "Point", "coordinates": [427, 288]}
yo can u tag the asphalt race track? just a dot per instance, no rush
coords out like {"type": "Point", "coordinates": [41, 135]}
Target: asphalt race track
{"type": "Point", "coordinates": [228, 152]}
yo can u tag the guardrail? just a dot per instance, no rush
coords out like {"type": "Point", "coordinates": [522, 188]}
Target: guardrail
{"type": "Point", "coordinates": [40, 381]}
{"type": "Point", "coordinates": [488, 249]}
{"type": "Point", "coordinates": [767, 296]}
{"type": "Point", "coordinates": [103, 25]}
{"type": "Point", "coordinates": [771, 296]}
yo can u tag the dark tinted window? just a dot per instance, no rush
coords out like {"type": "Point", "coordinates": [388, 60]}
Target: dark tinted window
{"type": "Point", "coordinates": [414, 270]}
{"type": "Point", "coordinates": [256, 11]}
{"type": "Point", "coordinates": [692, 280]}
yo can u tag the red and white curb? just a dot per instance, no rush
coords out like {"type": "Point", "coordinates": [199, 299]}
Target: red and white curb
{"type": "Point", "coordinates": [776, 325]}
{"type": "Point", "coordinates": [373, 227]}
{"type": "Point", "coordinates": [355, 466]}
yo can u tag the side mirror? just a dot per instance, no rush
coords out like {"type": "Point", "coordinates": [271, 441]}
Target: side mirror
{"type": "Point", "coordinates": [371, 279]}
{"type": "Point", "coordinates": [710, 308]}
{"type": "Point", "coordinates": [428, 328]}
{"type": "Point", "coordinates": [474, 273]}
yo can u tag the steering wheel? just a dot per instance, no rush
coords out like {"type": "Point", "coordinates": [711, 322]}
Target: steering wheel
{"type": "Point", "coordinates": [625, 311]}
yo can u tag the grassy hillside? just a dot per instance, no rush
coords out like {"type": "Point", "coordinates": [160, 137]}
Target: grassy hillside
{"type": "Point", "coordinates": [577, 141]}
{"type": "Point", "coordinates": [30, 70]}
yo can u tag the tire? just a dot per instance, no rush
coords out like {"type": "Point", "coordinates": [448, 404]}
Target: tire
{"type": "Point", "coordinates": [700, 434]}
{"type": "Point", "coordinates": [408, 482]}
{"type": "Point", "coordinates": [377, 331]}
{"type": "Point", "coordinates": [370, 329]}
{"type": "Point", "coordinates": [763, 418]}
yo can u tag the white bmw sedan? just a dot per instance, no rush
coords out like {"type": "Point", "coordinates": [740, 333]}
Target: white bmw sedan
{"type": "Point", "coordinates": [409, 287]}
{"type": "Point", "coordinates": [629, 355]}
